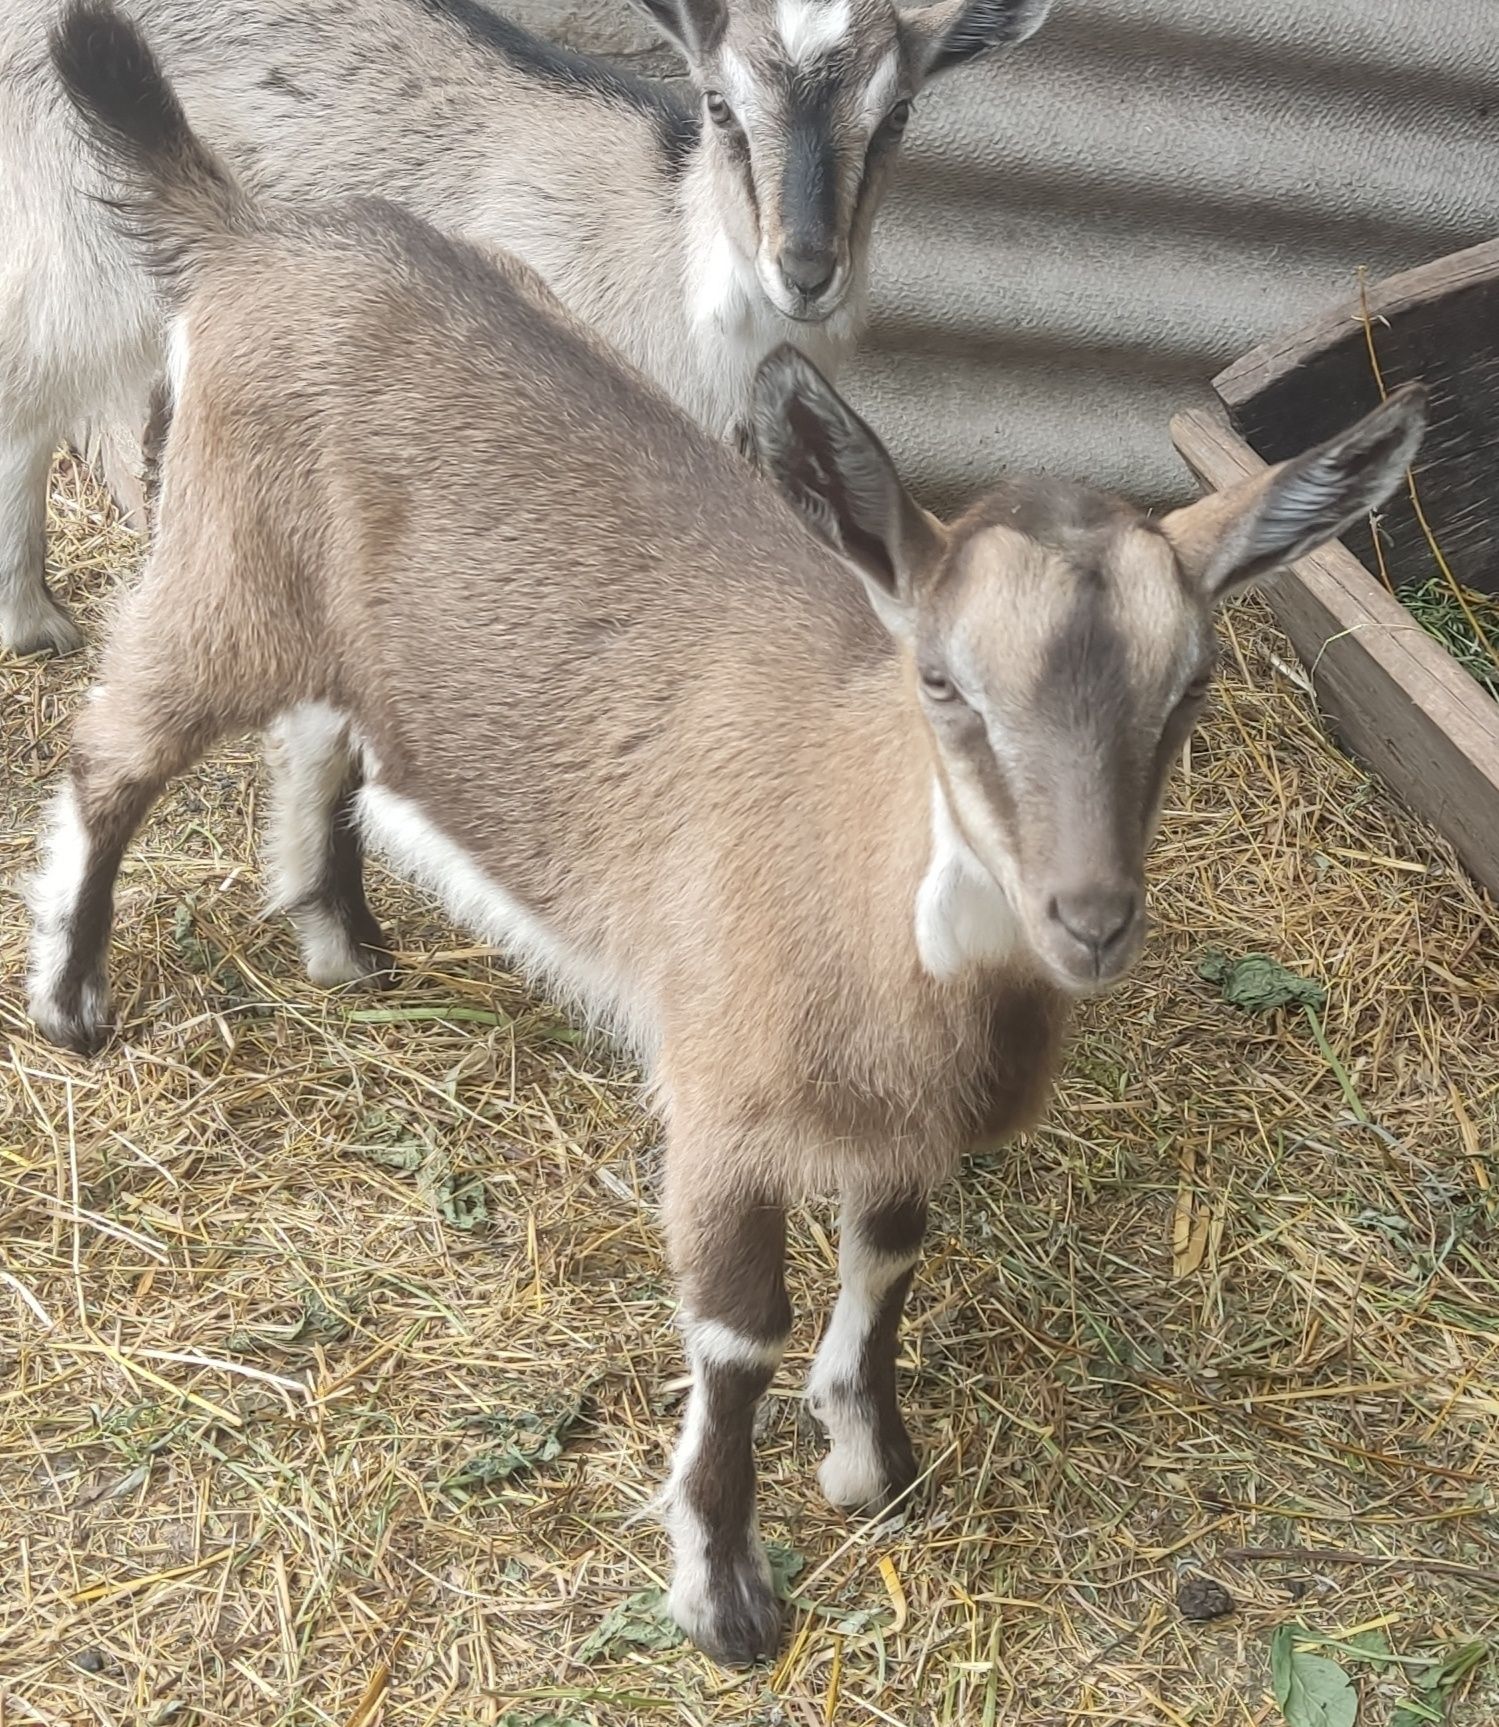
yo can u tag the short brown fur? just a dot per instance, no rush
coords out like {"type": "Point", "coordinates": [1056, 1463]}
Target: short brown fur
{"type": "Point", "coordinates": [644, 708]}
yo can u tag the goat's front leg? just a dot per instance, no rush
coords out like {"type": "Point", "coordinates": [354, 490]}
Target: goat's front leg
{"type": "Point", "coordinates": [728, 1246]}
{"type": "Point", "coordinates": [316, 851]}
{"type": "Point", "coordinates": [852, 1388]}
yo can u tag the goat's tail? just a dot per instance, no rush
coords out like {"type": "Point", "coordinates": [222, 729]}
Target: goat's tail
{"type": "Point", "coordinates": [176, 199]}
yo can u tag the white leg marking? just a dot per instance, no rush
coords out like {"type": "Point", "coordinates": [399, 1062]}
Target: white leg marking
{"type": "Point", "coordinates": [691, 1603]}
{"type": "Point", "coordinates": [811, 28]}
{"type": "Point", "coordinates": [852, 1473]}
{"type": "Point", "coordinates": [309, 751]}
{"type": "Point", "coordinates": [52, 894]}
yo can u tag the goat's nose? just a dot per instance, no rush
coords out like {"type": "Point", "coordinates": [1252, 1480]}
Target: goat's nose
{"type": "Point", "coordinates": [808, 267]}
{"type": "Point", "coordinates": [1098, 917]}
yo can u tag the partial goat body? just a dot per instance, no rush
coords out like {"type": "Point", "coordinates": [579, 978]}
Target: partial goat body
{"type": "Point", "coordinates": [827, 825]}
{"type": "Point", "coordinates": [695, 246]}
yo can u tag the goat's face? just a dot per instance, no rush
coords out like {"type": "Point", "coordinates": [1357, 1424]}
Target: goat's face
{"type": "Point", "coordinates": [1059, 642]}
{"type": "Point", "coordinates": [805, 103]}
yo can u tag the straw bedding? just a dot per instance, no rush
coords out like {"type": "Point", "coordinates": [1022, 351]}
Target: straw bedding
{"type": "Point", "coordinates": [336, 1356]}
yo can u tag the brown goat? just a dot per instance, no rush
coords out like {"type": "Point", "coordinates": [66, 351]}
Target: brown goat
{"type": "Point", "coordinates": [827, 824]}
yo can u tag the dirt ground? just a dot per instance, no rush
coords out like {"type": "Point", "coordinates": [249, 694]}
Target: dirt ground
{"type": "Point", "coordinates": [337, 1366]}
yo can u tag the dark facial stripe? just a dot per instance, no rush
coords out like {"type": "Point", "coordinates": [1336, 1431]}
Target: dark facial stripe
{"type": "Point", "coordinates": [809, 191]}
{"type": "Point", "coordinates": [965, 736]}
{"type": "Point", "coordinates": [1086, 670]}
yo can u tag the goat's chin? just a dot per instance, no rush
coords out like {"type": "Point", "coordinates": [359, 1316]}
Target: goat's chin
{"type": "Point", "coordinates": [1077, 979]}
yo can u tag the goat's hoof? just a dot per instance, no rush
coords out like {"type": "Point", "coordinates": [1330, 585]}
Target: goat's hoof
{"type": "Point", "coordinates": [37, 624]}
{"type": "Point", "coordinates": [334, 955]}
{"type": "Point", "coordinates": [733, 1617]}
{"type": "Point", "coordinates": [866, 1473]}
{"type": "Point", "coordinates": [79, 1023]}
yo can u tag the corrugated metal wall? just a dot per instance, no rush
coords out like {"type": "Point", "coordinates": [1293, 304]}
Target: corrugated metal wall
{"type": "Point", "coordinates": [1083, 234]}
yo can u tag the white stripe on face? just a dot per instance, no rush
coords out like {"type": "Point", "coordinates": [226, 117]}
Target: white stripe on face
{"type": "Point", "coordinates": [739, 86]}
{"type": "Point", "coordinates": [811, 28]}
{"type": "Point", "coordinates": [879, 93]}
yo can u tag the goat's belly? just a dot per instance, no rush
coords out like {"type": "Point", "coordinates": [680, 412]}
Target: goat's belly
{"type": "Point", "coordinates": [399, 831]}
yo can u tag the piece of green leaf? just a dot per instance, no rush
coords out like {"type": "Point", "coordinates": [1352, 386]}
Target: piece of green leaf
{"type": "Point", "coordinates": [785, 1565]}
{"type": "Point", "coordinates": [1258, 984]}
{"type": "Point", "coordinates": [521, 1440]}
{"type": "Point", "coordinates": [1454, 1667]}
{"type": "Point", "coordinates": [1311, 1690]}
{"type": "Point", "coordinates": [461, 1200]}
{"type": "Point", "coordinates": [640, 1622]}
{"type": "Point", "coordinates": [1414, 1714]}
{"type": "Point", "coordinates": [1371, 1646]}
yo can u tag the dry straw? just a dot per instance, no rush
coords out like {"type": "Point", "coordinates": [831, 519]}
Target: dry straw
{"type": "Point", "coordinates": [336, 1359]}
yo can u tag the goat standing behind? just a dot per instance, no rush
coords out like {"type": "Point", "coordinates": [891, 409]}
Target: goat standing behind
{"type": "Point", "coordinates": [829, 825]}
{"type": "Point", "coordinates": [696, 245]}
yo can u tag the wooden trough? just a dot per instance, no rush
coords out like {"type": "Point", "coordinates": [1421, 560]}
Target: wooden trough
{"type": "Point", "coordinates": [1395, 696]}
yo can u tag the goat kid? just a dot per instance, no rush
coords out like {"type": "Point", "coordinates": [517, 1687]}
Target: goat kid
{"type": "Point", "coordinates": [827, 825]}
{"type": "Point", "coordinates": [695, 245]}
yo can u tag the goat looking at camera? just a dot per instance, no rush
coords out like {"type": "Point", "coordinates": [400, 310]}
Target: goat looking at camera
{"type": "Point", "coordinates": [828, 825]}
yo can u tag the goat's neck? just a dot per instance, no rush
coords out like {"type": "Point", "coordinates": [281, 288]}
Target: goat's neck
{"type": "Point", "coordinates": [723, 292]}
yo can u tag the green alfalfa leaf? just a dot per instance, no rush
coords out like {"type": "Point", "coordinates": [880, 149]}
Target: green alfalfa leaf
{"type": "Point", "coordinates": [640, 1622]}
{"type": "Point", "coordinates": [1311, 1690]}
{"type": "Point", "coordinates": [1454, 1667]}
{"type": "Point", "coordinates": [786, 1564]}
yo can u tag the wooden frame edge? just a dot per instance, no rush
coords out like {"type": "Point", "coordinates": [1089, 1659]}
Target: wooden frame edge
{"type": "Point", "coordinates": [1398, 699]}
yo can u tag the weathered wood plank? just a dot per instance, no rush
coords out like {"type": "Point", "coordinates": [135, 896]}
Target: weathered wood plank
{"type": "Point", "coordinates": [1398, 700]}
{"type": "Point", "coordinates": [1254, 372]}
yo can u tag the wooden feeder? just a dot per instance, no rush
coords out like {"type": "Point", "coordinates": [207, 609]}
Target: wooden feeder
{"type": "Point", "coordinates": [1393, 693]}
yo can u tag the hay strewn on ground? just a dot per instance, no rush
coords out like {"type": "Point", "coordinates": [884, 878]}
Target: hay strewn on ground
{"type": "Point", "coordinates": [300, 1292]}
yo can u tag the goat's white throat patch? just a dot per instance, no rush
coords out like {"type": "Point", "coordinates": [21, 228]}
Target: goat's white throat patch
{"type": "Point", "coordinates": [963, 916]}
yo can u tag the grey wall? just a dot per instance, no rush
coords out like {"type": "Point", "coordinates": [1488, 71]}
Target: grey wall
{"type": "Point", "coordinates": [1084, 233]}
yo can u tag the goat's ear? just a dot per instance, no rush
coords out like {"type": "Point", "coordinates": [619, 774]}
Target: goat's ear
{"type": "Point", "coordinates": [839, 478]}
{"type": "Point", "coordinates": [1226, 541]}
{"type": "Point", "coordinates": [955, 30]}
{"type": "Point", "coordinates": [694, 26]}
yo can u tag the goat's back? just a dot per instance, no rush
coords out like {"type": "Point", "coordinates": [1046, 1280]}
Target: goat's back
{"type": "Point", "coordinates": [602, 654]}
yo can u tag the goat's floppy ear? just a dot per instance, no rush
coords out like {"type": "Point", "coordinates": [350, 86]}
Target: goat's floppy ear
{"type": "Point", "coordinates": [955, 30]}
{"type": "Point", "coordinates": [694, 26]}
{"type": "Point", "coordinates": [839, 478]}
{"type": "Point", "coordinates": [1228, 540]}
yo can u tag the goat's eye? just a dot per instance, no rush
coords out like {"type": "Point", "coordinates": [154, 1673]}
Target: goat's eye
{"type": "Point", "coordinates": [899, 116]}
{"type": "Point", "coordinates": [938, 688]}
{"type": "Point", "coordinates": [719, 112]}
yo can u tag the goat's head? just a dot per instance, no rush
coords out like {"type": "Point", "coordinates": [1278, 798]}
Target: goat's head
{"type": "Point", "coordinates": [1058, 641]}
{"type": "Point", "coordinates": [806, 101]}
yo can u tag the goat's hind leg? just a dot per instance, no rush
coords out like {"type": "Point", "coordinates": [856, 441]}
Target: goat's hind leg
{"type": "Point", "coordinates": [852, 1388]}
{"type": "Point", "coordinates": [133, 735]}
{"type": "Point", "coordinates": [316, 852]}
